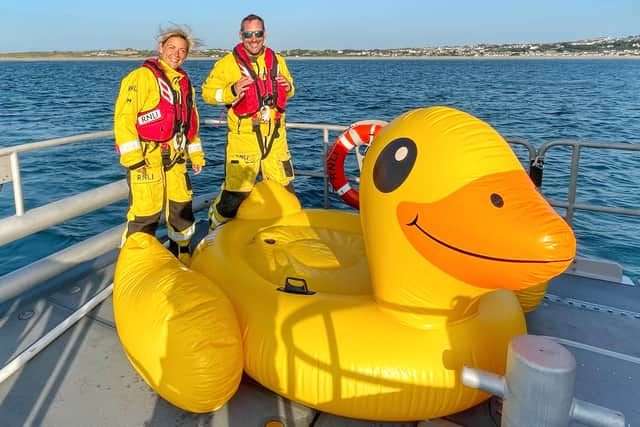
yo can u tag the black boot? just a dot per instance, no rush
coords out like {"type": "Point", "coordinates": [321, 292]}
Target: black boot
{"type": "Point", "coordinates": [182, 252]}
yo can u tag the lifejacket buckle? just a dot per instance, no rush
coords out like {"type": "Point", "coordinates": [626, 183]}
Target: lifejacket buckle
{"type": "Point", "coordinates": [179, 141]}
{"type": "Point", "coordinates": [268, 100]}
{"type": "Point", "coordinates": [264, 113]}
{"type": "Point", "coordinates": [165, 153]}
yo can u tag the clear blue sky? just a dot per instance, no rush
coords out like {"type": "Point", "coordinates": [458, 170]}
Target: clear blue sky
{"type": "Point", "coordinates": [65, 25]}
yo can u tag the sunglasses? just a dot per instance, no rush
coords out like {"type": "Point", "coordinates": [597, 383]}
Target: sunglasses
{"type": "Point", "coordinates": [247, 34]}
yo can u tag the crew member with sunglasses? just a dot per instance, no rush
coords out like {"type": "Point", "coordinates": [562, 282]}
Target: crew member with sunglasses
{"type": "Point", "coordinates": [254, 83]}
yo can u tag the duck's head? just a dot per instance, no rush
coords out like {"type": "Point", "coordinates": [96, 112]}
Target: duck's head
{"type": "Point", "coordinates": [446, 205]}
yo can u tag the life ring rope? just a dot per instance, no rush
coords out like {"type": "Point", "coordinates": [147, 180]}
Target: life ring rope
{"type": "Point", "coordinates": [359, 133]}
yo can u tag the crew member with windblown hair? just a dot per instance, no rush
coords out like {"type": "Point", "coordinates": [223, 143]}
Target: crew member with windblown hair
{"type": "Point", "coordinates": [156, 132]}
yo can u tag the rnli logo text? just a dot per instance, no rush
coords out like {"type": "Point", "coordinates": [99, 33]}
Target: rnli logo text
{"type": "Point", "coordinates": [149, 117]}
{"type": "Point", "coordinates": [332, 167]}
{"type": "Point", "coordinates": [144, 177]}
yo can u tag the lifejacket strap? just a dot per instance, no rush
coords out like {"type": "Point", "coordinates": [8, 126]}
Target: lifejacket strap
{"type": "Point", "coordinates": [275, 134]}
{"type": "Point", "coordinates": [138, 165]}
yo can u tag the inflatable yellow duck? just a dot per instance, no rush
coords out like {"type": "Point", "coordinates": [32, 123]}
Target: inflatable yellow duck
{"type": "Point", "coordinates": [373, 315]}
{"type": "Point", "coordinates": [178, 330]}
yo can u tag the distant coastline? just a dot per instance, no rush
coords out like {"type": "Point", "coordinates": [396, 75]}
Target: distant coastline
{"type": "Point", "coordinates": [602, 47]}
{"type": "Point", "coordinates": [8, 58]}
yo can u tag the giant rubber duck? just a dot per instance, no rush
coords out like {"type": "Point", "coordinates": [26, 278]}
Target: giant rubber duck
{"type": "Point", "coordinates": [464, 209]}
{"type": "Point", "coordinates": [373, 315]}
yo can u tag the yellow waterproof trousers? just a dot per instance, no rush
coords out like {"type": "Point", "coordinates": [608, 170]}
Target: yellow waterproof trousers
{"type": "Point", "coordinates": [245, 158]}
{"type": "Point", "coordinates": [151, 189]}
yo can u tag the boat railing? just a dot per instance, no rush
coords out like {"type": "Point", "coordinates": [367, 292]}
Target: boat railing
{"type": "Point", "coordinates": [28, 222]}
{"type": "Point", "coordinates": [62, 210]}
{"type": "Point", "coordinates": [10, 164]}
{"type": "Point", "coordinates": [571, 205]}
{"type": "Point", "coordinates": [325, 129]}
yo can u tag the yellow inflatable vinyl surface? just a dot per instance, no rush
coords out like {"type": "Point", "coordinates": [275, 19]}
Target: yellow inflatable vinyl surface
{"type": "Point", "coordinates": [530, 298]}
{"type": "Point", "coordinates": [374, 315]}
{"type": "Point", "coordinates": [178, 330]}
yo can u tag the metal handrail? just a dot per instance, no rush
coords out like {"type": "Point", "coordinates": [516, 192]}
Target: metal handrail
{"type": "Point", "coordinates": [325, 128]}
{"type": "Point", "coordinates": [37, 219]}
{"type": "Point", "coordinates": [12, 153]}
{"type": "Point", "coordinates": [577, 146]}
{"type": "Point", "coordinates": [23, 279]}
{"type": "Point", "coordinates": [16, 227]}
{"type": "Point", "coordinates": [14, 163]}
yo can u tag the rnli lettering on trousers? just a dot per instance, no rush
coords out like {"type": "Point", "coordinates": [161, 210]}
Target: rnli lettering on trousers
{"type": "Point", "coordinates": [145, 177]}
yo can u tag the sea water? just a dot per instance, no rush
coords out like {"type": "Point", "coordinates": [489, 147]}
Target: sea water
{"type": "Point", "coordinates": [540, 100]}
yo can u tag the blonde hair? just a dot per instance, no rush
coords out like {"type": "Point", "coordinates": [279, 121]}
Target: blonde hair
{"type": "Point", "coordinates": [179, 31]}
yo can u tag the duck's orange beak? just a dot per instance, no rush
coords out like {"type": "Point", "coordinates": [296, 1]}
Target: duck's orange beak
{"type": "Point", "coordinates": [496, 232]}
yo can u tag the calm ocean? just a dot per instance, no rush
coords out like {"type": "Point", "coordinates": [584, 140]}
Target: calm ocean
{"type": "Point", "coordinates": [538, 100]}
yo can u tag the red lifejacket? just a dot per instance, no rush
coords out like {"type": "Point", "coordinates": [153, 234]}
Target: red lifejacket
{"type": "Point", "coordinates": [173, 114]}
{"type": "Point", "coordinates": [262, 92]}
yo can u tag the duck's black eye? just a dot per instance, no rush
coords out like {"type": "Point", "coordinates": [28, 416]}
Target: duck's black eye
{"type": "Point", "coordinates": [497, 200]}
{"type": "Point", "coordinates": [394, 164]}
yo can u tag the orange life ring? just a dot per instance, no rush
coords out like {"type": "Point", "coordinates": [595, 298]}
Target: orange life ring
{"type": "Point", "coordinates": [358, 133]}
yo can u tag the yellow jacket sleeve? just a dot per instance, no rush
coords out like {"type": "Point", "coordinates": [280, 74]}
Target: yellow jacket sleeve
{"type": "Point", "coordinates": [284, 70]}
{"type": "Point", "coordinates": [138, 92]}
{"type": "Point", "coordinates": [216, 88]}
{"type": "Point", "coordinates": [194, 147]}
